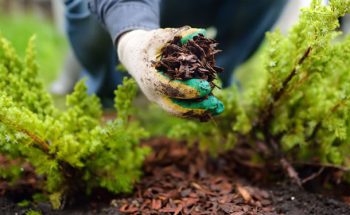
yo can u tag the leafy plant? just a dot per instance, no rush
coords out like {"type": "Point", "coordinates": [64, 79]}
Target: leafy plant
{"type": "Point", "coordinates": [32, 212]}
{"type": "Point", "coordinates": [299, 107]}
{"type": "Point", "coordinates": [74, 150]}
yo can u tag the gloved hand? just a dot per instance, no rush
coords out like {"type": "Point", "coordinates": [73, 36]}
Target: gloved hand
{"type": "Point", "coordinates": [137, 50]}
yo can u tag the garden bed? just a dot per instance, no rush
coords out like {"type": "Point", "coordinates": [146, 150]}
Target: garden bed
{"type": "Point", "coordinates": [182, 180]}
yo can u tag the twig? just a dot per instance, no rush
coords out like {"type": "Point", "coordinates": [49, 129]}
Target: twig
{"type": "Point", "coordinates": [266, 116]}
{"type": "Point", "coordinates": [319, 124]}
{"type": "Point", "coordinates": [315, 131]}
{"type": "Point", "coordinates": [298, 85]}
{"type": "Point", "coordinates": [322, 165]}
{"type": "Point", "coordinates": [292, 173]}
{"type": "Point", "coordinates": [313, 176]}
{"type": "Point", "coordinates": [286, 165]}
{"type": "Point", "coordinates": [244, 193]}
{"type": "Point", "coordinates": [279, 93]}
{"type": "Point", "coordinates": [41, 144]}
{"type": "Point", "coordinates": [267, 112]}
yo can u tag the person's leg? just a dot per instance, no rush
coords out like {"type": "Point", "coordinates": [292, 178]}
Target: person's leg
{"type": "Point", "coordinates": [94, 49]}
{"type": "Point", "coordinates": [241, 27]}
{"type": "Point", "coordinates": [240, 24]}
{"type": "Point", "coordinates": [69, 75]}
{"type": "Point", "coordinates": [345, 24]}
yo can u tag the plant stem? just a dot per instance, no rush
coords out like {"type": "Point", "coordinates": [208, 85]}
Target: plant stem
{"type": "Point", "coordinates": [319, 124]}
{"type": "Point", "coordinates": [40, 143]}
{"type": "Point", "coordinates": [266, 116]}
{"type": "Point", "coordinates": [267, 113]}
{"type": "Point", "coordinates": [313, 176]}
{"type": "Point", "coordinates": [43, 145]}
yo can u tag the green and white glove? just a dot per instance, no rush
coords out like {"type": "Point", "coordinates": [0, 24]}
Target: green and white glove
{"type": "Point", "coordinates": [137, 50]}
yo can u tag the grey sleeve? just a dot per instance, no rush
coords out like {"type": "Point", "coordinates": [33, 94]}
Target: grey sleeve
{"type": "Point", "coordinates": [119, 16]}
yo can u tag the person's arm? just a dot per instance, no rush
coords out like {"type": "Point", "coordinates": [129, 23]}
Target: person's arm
{"type": "Point", "coordinates": [134, 28]}
{"type": "Point", "coordinates": [119, 16]}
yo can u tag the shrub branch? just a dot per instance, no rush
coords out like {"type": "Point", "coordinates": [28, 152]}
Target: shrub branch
{"type": "Point", "coordinates": [39, 143]}
{"type": "Point", "coordinates": [266, 119]}
{"type": "Point", "coordinates": [267, 113]}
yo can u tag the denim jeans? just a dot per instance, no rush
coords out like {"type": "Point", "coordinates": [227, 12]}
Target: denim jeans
{"type": "Point", "coordinates": [240, 25]}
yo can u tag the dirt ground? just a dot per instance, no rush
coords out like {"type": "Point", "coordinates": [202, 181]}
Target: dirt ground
{"type": "Point", "coordinates": [181, 180]}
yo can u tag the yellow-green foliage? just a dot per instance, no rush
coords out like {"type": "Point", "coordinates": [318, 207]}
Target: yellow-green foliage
{"type": "Point", "coordinates": [302, 102]}
{"type": "Point", "coordinates": [32, 212]}
{"type": "Point", "coordinates": [74, 149]}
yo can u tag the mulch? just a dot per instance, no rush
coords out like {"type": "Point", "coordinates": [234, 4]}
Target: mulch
{"type": "Point", "coordinates": [182, 180]}
{"type": "Point", "coordinates": [194, 59]}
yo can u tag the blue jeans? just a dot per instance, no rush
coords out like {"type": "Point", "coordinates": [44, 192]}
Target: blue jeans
{"type": "Point", "coordinates": [241, 26]}
{"type": "Point", "coordinates": [94, 50]}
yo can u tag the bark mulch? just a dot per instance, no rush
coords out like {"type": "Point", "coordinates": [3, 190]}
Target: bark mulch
{"type": "Point", "coordinates": [182, 180]}
{"type": "Point", "coordinates": [194, 59]}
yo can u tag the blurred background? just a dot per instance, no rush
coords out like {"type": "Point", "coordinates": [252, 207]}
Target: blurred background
{"type": "Point", "coordinates": [59, 70]}
{"type": "Point", "coordinates": [20, 19]}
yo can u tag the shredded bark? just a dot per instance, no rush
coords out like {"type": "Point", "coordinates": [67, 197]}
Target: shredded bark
{"type": "Point", "coordinates": [195, 59]}
{"type": "Point", "coordinates": [181, 180]}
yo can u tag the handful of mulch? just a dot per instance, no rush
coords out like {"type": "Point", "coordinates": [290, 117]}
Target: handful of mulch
{"type": "Point", "coordinates": [194, 59]}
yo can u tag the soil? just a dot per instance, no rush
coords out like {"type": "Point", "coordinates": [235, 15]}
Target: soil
{"type": "Point", "coordinates": [182, 180]}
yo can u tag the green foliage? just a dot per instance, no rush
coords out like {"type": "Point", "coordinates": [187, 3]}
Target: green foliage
{"type": "Point", "coordinates": [74, 150]}
{"type": "Point", "coordinates": [32, 212]}
{"type": "Point", "coordinates": [156, 121]}
{"type": "Point", "coordinates": [123, 103]}
{"type": "Point", "coordinates": [24, 203]}
{"type": "Point", "coordinates": [10, 171]}
{"type": "Point", "coordinates": [301, 100]}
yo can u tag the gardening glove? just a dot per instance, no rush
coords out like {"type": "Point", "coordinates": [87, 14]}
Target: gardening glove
{"type": "Point", "coordinates": [139, 49]}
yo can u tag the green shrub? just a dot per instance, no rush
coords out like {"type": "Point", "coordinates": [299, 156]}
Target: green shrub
{"type": "Point", "coordinates": [299, 104]}
{"type": "Point", "coordinates": [32, 212]}
{"type": "Point", "coordinates": [74, 150]}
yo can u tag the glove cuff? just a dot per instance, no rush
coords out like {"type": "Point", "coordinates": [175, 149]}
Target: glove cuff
{"type": "Point", "coordinates": [130, 45]}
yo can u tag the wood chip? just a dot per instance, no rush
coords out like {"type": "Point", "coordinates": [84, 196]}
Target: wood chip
{"type": "Point", "coordinates": [186, 182]}
{"type": "Point", "coordinates": [194, 59]}
{"type": "Point", "coordinates": [244, 193]}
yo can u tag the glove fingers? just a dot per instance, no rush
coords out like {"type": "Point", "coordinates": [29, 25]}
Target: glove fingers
{"type": "Point", "coordinates": [189, 89]}
{"type": "Point", "coordinates": [211, 104]}
{"type": "Point", "coordinates": [193, 109]}
{"type": "Point", "coordinates": [190, 33]}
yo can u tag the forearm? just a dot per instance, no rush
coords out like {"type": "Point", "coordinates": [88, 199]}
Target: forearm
{"type": "Point", "coordinates": [119, 16]}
